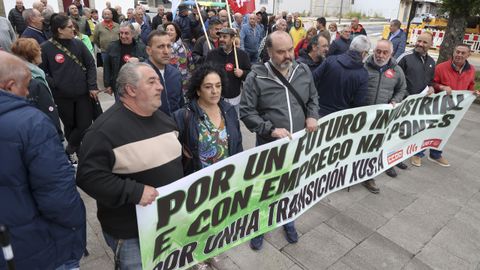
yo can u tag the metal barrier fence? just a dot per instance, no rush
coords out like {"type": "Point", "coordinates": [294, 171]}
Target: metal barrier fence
{"type": "Point", "coordinates": [471, 39]}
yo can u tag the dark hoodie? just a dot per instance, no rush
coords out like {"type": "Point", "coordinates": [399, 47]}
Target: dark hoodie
{"type": "Point", "coordinates": [342, 82]}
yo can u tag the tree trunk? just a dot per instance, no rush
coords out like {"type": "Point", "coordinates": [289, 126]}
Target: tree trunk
{"type": "Point", "coordinates": [453, 36]}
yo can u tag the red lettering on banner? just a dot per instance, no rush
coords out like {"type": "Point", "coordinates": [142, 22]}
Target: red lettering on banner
{"type": "Point", "coordinates": [395, 156]}
{"type": "Point", "coordinates": [431, 143]}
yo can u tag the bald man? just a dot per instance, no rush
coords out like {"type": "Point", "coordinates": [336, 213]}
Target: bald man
{"type": "Point", "coordinates": [38, 6]}
{"type": "Point", "coordinates": [37, 178]}
{"type": "Point", "coordinates": [237, 21]}
{"type": "Point", "coordinates": [266, 105]}
{"type": "Point", "coordinates": [419, 69]}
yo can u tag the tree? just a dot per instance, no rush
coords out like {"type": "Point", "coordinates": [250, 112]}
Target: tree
{"type": "Point", "coordinates": [458, 11]}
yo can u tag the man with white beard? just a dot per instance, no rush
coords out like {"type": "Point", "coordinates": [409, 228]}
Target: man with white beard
{"type": "Point", "coordinates": [386, 84]}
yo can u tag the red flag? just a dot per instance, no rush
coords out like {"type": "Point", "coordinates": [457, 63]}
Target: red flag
{"type": "Point", "coordinates": [242, 6]}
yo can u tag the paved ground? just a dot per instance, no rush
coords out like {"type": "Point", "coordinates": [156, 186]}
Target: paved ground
{"type": "Point", "coordinates": [427, 218]}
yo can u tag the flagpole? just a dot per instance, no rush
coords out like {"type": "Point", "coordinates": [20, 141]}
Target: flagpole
{"type": "Point", "coordinates": [230, 24]}
{"type": "Point", "coordinates": [203, 26]}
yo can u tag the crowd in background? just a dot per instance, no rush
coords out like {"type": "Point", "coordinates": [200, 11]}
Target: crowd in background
{"type": "Point", "coordinates": [182, 84]}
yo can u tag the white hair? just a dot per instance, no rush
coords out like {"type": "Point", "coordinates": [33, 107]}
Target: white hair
{"type": "Point", "coordinates": [360, 44]}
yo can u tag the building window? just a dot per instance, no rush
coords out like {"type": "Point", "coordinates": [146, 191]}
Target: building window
{"type": "Point", "coordinates": [263, 2]}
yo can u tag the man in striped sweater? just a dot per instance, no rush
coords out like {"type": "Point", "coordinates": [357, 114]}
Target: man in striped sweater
{"type": "Point", "coordinates": [130, 150]}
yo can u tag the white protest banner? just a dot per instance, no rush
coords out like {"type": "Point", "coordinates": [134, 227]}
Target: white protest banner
{"type": "Point", "coordinates": [253, 192]}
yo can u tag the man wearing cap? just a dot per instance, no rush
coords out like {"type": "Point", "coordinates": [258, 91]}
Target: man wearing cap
{"type": "Point", "coordinates": [224, 56]}
{"type": "Point", "coordinates": [185, 23]}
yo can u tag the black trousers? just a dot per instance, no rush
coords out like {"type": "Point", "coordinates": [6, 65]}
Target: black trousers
{"type": "Point", "coordinates": [76, 115]}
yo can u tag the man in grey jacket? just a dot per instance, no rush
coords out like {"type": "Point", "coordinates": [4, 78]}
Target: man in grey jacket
{"type": "Point", "coordinates": [386, 84]}
{"type": "Point", "coordinates": [269, 109]}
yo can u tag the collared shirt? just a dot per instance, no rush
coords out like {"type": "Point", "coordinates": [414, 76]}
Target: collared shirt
{"type": "Point", "coordinates": [459, 70]}
{"type": "Point", "coordinates": [394, 34]}
{"type": "Point", "coordinates": [35, 33]}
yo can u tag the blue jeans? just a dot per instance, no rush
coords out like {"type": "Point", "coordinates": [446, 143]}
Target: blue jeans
{"type": "Point", "coordinates": [286, 226]}
{"type": "Point", "coordinates": [435, 154]}
{"type": "Point", "coordinates": [253, 57]}
{"type": "Point", "coordinates": [126, 252]}
{"type": "Point", "coordinates": [69, 265]}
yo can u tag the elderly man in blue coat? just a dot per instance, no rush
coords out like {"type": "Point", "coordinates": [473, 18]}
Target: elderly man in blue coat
{"type": "Point", "coordinates": [39, 202]}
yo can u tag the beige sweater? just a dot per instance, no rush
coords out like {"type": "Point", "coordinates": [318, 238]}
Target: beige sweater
{"type": "Point", "coordinates": [102, 36]}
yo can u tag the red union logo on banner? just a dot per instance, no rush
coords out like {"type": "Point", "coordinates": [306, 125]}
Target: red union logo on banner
{"type": "Point", "coordinates": [431, 143]}
{"type": "Point", "coordinates": [391, 158]}
{"type": "Point", "coordinates": [242, 6]}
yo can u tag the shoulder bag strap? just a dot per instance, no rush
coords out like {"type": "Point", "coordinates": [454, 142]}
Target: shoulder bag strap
{"type": "Point", "coordinates": [68, 53]}
{"type": "Point", "coordinates": [290, 88]}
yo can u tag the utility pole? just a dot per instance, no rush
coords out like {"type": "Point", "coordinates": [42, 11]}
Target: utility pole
{"type": "Point", "coordinates": [413, 9]}
{"type": "Point", "coordinates": [340, 15]}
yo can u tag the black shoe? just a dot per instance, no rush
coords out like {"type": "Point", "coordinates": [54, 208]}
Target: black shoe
{"type": "Point", "coordinates": [291, 234]}
{"type": "Point", "coordinates": [256, 242]}
{"type": "Point", "coordinates": [371, 186]}
{"type": "Point", "coordinates": [391, 172]}
{"type": "Point", "coordinates": [402, 166]}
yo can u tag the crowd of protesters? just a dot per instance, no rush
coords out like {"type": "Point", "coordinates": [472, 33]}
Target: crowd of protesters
{"type": "Point", "coordinates": [182, 84]}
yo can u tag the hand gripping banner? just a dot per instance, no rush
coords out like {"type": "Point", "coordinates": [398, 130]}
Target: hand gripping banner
{"type": "Point", "coordinates": [253, 192]}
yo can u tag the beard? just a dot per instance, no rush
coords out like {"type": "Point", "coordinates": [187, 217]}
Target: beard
{"type": "Point", "coordinates": [380, 63]}
{"type": "Point", "coordinates": [285, 64]}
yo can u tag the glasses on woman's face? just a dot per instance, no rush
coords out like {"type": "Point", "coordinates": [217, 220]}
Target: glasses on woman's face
{"type": "Point", "coordinates": [69, 26]}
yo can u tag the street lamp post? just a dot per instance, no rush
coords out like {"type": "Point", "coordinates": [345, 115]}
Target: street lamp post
{"type": "Point", "coordinates": [340, 15]}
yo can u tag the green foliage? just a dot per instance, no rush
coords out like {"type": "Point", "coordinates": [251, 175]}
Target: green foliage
{"type": "Point", "coordinates": [461, 7]}
{"type": "Point", "coordinates": [352, 14]}
{"type": "Point", "coordinates": [305, 13]}
{"type": "Point", "coordinates": [360, 15]}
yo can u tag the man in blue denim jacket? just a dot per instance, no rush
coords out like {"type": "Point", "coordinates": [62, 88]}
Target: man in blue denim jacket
{"type": "Point", "coordinates": [250, 37]}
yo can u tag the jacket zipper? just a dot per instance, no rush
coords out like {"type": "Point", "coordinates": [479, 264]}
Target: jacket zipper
{"type": "Point", "coordinates": [286, 93]}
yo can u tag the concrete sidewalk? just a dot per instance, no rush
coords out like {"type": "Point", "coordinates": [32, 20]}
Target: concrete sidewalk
{"type": "Point", "coordinates": [426, 218]}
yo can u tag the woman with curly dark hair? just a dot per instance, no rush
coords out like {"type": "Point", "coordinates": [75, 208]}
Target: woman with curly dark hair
{"type": "Point", "coordinates": [208, 125]}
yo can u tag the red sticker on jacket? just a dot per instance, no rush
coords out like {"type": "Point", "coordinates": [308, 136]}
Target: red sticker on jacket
{"type": "Point", "coordinates": [59, 58]}
{"type": "Point", "coordinates": [229, 67]}
{"type": "Point", "coordinates": [126, 57]}
{"type": "Point", "coordinates": [390, 73]}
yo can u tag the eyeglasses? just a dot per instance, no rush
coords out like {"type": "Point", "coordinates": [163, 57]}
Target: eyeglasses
{"type": "Point", "coordinates": [69, 26]}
